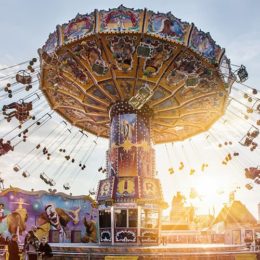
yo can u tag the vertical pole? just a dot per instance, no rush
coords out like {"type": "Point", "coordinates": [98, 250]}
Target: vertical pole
{"type": "Point", "coordinates": [127, 218]}
{"type": "Point", "coordinates": [112, 224]}
{"type": "Point", "coordinates": [159, 226]}
{"type": "Point", "coordinates": [138, 221]}
{"type": "Point", "coordinates": [99, 237]}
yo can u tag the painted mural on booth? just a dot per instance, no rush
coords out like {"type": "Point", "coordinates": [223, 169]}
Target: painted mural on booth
{"type": "Point", "coordinates": [44, 212]}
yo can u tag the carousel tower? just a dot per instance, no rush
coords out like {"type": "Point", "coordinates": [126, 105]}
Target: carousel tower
{"type": "Point", "coordinates": [131, 197]}
{"type": "Point", "coordinates": [137, 78]}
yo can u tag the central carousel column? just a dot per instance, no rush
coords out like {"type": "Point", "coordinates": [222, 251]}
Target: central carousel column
{"type": "Point", "coordinates": [130, 152]}
{"type": "Point", "coordinates": [130, 198]}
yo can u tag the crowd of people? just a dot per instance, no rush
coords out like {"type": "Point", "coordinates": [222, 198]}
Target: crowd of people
{"type": "Point", "coordinates": [32, 248]}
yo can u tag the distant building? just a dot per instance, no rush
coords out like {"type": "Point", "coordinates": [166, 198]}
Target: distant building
{"type": "Point", "coordinates": [202, 222]}
{"type": "Point", "coordinates": [181, 216]}
{"type": "Point", "coordinates": [235, 222]}
{"type": "Point", "coordinates": [184, 226]}
{"type": "Point", "coordinates": [232, 225]}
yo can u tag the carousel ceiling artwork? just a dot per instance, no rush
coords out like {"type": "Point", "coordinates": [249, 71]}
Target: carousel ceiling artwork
{"type": "Point", "coordinates": [98, 59]}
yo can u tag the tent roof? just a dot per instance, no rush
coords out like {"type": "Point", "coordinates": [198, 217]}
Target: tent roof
{"type": "Point", "coordinates": [237, 213]}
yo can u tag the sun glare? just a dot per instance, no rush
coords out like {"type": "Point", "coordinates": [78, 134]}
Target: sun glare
{"type": "Point", "coordinates": [210, 191]}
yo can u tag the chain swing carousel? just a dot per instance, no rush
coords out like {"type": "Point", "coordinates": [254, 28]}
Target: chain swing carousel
{"type": "Point", "coordinates": [138, 78]}
{"type": "Point", "coordinates": [135, 77]}
{"type": "Point", "coordinates": [129, 88]}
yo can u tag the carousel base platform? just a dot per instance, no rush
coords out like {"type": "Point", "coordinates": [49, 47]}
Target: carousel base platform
{"type": "Point", "coordinates": [162, 252]}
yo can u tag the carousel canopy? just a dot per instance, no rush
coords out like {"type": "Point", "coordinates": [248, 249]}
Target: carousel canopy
{"type": "Point", "coordinates": [138, 56]}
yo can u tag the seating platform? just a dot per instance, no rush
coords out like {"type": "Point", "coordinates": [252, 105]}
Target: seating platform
{"type": "Point", "coordinates": [162, 252]}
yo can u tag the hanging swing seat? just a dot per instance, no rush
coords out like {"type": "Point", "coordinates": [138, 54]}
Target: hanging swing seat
{"type": "Point", "coordinates": [92, 192]}
{"type": "Point", "coordinates": [16, 168]}
{"type": "Point", "coordinates": [51, 182]}
{"type": "Point", "coordinates": [249, 186]}
{"type": "Point", "coordinates": [23, 77]}
{"type": "Point", "coordinates": [26, 174]}
{"type": "Point", "coordinates": [66, 186]}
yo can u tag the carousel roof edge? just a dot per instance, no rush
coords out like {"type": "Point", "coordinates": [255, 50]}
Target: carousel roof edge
{"type": "Point", "coordinates": [43, 192]}
{"type": "Point", "coordinates": [143, 21]}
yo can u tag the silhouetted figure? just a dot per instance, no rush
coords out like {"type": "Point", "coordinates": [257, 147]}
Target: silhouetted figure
{"type": "Point", "coordinates": [2, 241]}
{"type": "Point", "coordinates": [31, 244]}
{"type": "Point", "coordinates": [45, 249]}
{"type": "Point", "coordinates": [13, 248]}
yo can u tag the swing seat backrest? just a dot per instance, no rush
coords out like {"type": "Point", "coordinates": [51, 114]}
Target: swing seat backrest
{"type": "Point", "coordinates": [23, 77]}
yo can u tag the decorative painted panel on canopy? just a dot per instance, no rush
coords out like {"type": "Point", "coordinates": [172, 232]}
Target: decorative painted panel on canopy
{"type": "Point", "coordinates": [98, 59]}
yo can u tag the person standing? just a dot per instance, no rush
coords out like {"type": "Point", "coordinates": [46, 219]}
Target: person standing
{"type": "Point", "coordinates": [45, 249]}
{"type": "Point", "coordinates": [7, 240]}
{"type": "Point", "coordinates": [2, 206]}
{"type": "Point", "coordinates": [13, 248]}
{"type": "Point", "coordinates": [30, 246]}
{"type": "Point", "coordinates": [2, 240]}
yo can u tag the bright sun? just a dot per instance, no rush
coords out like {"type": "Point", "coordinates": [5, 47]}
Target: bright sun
{"type": "Point", "coordinates": [209, 190]}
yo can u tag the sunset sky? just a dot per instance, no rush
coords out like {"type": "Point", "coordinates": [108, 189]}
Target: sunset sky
{"type": "Point", "coordinates": [25, 26]}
